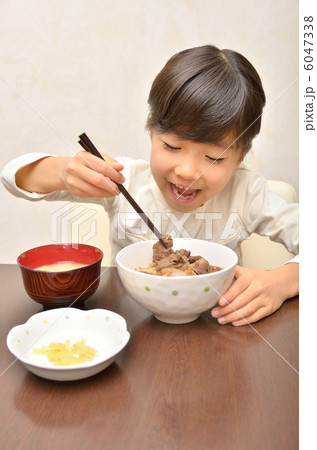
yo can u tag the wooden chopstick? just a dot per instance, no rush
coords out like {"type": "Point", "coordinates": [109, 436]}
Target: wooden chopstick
{"type": "Point", "coordinates": [87, 145]}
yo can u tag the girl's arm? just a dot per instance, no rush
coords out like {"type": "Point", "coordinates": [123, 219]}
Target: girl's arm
{"type": "Point", "coordinates": [43, 176]}
{"type": "Point", "coordinates": [84, 175]}
{"type": "Point", "coordinates": [256, 294]}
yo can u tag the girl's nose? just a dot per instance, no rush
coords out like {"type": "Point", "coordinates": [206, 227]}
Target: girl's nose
{"type": "Point", "coordinates": [187, 170]}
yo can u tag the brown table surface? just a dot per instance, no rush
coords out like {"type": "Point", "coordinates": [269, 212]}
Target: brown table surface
{"type": "Point", "coordinates": [193, 386]}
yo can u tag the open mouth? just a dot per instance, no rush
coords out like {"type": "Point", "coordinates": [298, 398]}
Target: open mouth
{"type": "Point", "coordinates": [183, 194]}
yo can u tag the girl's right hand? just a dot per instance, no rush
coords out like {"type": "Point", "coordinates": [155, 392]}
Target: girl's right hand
{"type": "Point", "coordinates": [87, 176]}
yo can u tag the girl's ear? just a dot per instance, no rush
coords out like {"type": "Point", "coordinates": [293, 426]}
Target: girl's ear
{"type": "Point", "coordinates": [239, 160]}
{"type": "Point", "coordinates": [243, 153]}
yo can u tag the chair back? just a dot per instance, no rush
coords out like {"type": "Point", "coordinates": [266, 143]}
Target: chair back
{"type": "Point", "coordinates": [259, 252]}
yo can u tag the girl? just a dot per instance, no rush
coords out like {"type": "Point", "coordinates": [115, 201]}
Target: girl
{"type": "Point", "coordinates": [205, 110]}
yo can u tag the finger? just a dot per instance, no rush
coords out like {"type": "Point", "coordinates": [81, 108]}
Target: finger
{"type": "Point", "coordinates": [96, 186]}
{"type": "Point", "coordinates": [88, 191]}
{"type": "Point", "coordinates": [258, 315]}
{"type": "Point", "coordinates": [242, 313]}
{"type": "Point", "coordinates": [98, 165]}
{"type": "Point", "coordinates": [238, 303]}
{"type": "Point", "coordinates": [92, 177]}
{"type": "Point", "coordinates": [237, 287]}
{"type": "Point", "coordinates": [239, 271]}
{"type": "Point", "coordinates": [113, 162]}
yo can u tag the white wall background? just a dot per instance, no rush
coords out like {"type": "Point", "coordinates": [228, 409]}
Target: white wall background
{"type": "Point", "coordinates": [87, 65]}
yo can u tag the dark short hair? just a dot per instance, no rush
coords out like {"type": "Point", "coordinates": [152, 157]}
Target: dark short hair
{"type": "Point", "coordinates": [204, 93]}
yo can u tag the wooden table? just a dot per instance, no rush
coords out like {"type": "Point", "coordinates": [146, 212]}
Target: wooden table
{"type": "Point", "coordinates": [194, 386]}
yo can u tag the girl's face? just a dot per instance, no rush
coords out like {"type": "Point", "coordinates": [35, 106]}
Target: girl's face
{"type": "Point", "coordinates": [189, 173]}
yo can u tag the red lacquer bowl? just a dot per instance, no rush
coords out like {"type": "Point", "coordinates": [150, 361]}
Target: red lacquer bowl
{"type": "Point", "coordinates": [54, 289]}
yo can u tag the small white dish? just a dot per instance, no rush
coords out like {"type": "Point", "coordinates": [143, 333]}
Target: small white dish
{"type": "Point", "coordinates": [103, 330]}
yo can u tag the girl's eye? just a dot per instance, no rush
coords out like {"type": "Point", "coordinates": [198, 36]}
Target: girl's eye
{"type": "Point", "coordinates": [170, 148]}
{"type": "Point", "coordinates": [215, 160]}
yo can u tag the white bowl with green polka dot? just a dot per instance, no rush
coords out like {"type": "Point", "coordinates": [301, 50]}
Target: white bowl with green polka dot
{"type": "Point", "coordinates": [178, 299]}
{"type": "Point", "coordinates": [102, 330]}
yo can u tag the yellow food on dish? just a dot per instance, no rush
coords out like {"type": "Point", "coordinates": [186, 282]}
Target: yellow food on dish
{"type": "Point", "coordinates": [60, 267]}
{"type": "Point", "coordinates": [66, 355]}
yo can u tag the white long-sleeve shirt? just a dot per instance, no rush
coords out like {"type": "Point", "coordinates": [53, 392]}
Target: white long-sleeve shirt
{"type": "Point", "coordinates": [244, 206]}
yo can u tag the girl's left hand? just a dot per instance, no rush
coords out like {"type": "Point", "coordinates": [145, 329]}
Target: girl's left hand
{"type": "Point", "coordinates": [256, 294]}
